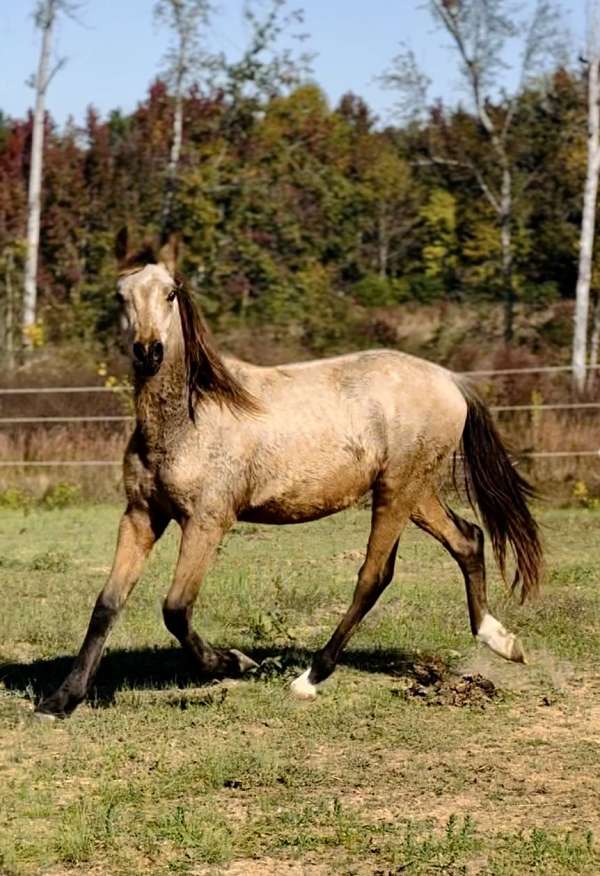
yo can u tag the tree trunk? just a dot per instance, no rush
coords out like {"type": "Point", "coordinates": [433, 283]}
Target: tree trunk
{"type": "Point", "coordinates": [9, 323]}
{"type": "Point", "coordinates": [35, 176]}
{"type": "Point", "coordinates": [586, 240]}
{"type": "Point", "coordinates": [383, 244]}
{"type": "Point", "coordinates": [171, 177]}
{"type": "Point", "coordinates": [594, 345]}
{"type": "Point", "coordinates": [507, 253]}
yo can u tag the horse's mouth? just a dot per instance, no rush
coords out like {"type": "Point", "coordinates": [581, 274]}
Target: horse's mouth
{"type": "Point", "coordinates": [147, 369]}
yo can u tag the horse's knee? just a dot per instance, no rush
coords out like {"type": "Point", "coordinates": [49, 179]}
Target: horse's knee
{"type": "Point", "coordinates": [176, 618]}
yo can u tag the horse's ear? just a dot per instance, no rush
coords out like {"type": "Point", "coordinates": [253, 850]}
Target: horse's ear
{"type": "Point", "coordinates": [169, 253]}
{"type": "Point", "coordinates": [121, 245]}
{"type": "Point", "coordinates": [133, 260]}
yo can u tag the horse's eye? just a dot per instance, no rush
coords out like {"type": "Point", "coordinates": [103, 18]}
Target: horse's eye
{"type": "Point", "coordinates": [119, 297]}
{"type": "Point", "coordinates": [172, 295]}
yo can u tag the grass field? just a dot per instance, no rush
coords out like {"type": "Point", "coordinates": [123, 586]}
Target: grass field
{"type": "Point", "coordinates": [408, 762]}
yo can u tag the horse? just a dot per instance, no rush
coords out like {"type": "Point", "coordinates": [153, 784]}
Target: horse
{"type": "Point", "coordinates": [218, 440]}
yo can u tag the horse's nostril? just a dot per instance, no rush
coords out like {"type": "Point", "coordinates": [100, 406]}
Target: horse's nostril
{"type": "Point", "coordinates": [156, 351]}
{"type": "Point", "coordinates": [139, 351]}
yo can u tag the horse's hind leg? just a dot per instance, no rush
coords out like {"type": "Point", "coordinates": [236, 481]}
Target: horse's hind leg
{"type": "Point", "coordinates": [198, 547]}
{"type": "Point", "coordinates": [464, 541]}
{"type": "Point", "coordinates": [388, 520]}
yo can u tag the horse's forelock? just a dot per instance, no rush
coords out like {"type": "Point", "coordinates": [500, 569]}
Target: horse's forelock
{"type": "Point", "coordinates": [135, 261]}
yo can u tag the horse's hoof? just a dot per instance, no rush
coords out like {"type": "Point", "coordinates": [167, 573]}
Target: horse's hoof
{"type": "Point", "coordinates": [517, 654]}
{"type": "Point", "coordinates": [500, 641]}
{"type": "Point", "coordinates": [245, 663]}
{"type": "Point", "coordinates": [47, 717]}
{"type": "Point", "coordinates": [303, 688]}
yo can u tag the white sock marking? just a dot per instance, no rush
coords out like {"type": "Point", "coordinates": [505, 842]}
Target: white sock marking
{"type": "Point", "coordinates": [496, 637]}
{"type": "Point", "coordinates": [303, 688]}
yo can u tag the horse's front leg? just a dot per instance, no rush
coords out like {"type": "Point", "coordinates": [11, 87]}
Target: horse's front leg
{"type": "Point", "coordinates": [199, 542]}
{"type": "Point", "coordinates": [138, 531]}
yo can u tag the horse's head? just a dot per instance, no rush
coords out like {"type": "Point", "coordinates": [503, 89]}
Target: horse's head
{"type": "Point", "coordinates": [163, 324]}
{"type": "Point", "coordinates": [147, 291]}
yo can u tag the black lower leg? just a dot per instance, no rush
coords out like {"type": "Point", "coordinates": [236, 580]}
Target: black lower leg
{"type": "Point", "coordinates": [472, 566]}
{"type": "Point", "coordinates": [366, 595]}
{"type": "Point", "coordinates": [323, 664]}
{"type": "Point", "coordinates": [209, 661]}
{"type": "Point", "coordinates": [76, 685]}
{"type": "Point", "coordinates": [325, 660]}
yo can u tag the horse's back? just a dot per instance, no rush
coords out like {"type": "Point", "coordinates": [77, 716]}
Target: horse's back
{"type": "Point", "coordinates": [391, 388]}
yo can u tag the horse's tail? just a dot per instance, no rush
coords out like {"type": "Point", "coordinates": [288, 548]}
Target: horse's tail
{"type": "Point", "coordinates": [501, 494]}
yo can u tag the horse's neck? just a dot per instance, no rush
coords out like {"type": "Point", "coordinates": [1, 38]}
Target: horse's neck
{"type": "Point", "coordinates": [161, 406]}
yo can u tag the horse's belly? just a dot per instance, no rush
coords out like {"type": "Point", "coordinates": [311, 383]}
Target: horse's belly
{"type": "Point", "coordinates": [306, 500]}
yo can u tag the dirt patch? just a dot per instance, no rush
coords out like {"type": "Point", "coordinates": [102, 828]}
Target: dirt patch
{"type": "Point", "coordinates": [354, 556]}
{"type": "Point", "coordinates": [270, 867]}
{"type": "Point", "coordinates": [435, 685]}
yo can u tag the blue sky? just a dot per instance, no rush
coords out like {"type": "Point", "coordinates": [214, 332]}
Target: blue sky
{"type": "Point", "coordinates": [115, 50]}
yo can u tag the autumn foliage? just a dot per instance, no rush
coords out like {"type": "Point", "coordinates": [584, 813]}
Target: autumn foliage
{"type": "Point", "coordinates": [292, 212]}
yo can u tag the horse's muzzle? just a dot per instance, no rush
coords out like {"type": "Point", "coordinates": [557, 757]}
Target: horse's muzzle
{"type": "Point", "coordinates": [147, 358]}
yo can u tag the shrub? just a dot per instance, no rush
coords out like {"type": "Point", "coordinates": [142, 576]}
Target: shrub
{"type": "Point", "coordinates": [60, 495]}
{"type": "Point", "coordinates": [374, 291]}
{"type": "Point", "coordinates": [15, 499]}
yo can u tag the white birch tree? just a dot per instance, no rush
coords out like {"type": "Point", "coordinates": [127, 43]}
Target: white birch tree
{"type": "Point", "coordinates": [45, 15]}
{"type": "Point", "coordinates": [184, 58]}
{"type": "Point", "coordinates": [590, 194]}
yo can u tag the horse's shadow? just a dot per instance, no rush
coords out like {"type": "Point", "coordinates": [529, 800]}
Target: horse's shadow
{"type": "Point", "coordinates": [164, 668]}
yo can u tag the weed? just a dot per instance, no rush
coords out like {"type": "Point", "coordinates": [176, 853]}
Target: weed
{"type": "Point", "coordinates": [50, 561]}
{"type": "Point", "coordinates": [202, 835]}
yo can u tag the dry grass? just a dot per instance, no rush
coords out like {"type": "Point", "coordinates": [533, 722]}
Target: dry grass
{"type": "Point", "coordinates": [387, 772]}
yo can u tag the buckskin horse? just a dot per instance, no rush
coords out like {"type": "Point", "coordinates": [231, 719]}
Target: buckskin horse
{"type": "Point", "coordinates": [217, 441]}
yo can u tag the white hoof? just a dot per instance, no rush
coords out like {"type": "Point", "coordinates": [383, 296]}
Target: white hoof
{"type": "Point", "coordinates": [500, 641]}
{"type": "Point", "coordinates": [303, 688]}
{"type": "Point", "coordinates": [44, 716]}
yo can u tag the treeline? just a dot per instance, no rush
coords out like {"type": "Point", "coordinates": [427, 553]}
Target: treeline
{"type": "Point", "coordinates": [290, 211]}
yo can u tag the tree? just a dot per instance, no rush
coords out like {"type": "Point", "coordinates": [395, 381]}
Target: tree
{"type": "Point", "coordinates": [590, 192]}
{"type": "Point", "coordinates": [183, 60]}
{"type": "Point", "coordinates": [388, 213]}
{"type": "Point", "coordinates": [45, 17]}
{"type": "Point", "coordinates": [266, 67]}
{"type": "Point", "coordinates": [480, 31]}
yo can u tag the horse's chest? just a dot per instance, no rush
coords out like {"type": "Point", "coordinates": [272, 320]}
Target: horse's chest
{"type": "Point", "coordinates": [199, 480]}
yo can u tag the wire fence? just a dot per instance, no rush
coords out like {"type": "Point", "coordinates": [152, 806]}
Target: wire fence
{"type": "Point", "coordinates": [113, 418]}
{"type": "Point", "coordinates": [485, 372]}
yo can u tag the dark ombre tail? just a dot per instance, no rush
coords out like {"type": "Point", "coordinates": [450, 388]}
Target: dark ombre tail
{"type": "Point", "coordinates": [500, 493]}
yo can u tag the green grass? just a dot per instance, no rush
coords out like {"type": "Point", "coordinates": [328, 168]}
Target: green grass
{"type": "Point", "coordinates": [159, 774]}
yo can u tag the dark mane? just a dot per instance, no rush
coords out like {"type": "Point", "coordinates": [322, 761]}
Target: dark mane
{"type": "Point", "coordinates": [206, 371]}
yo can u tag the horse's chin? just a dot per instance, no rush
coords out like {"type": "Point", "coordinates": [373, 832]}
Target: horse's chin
{"type": "Point", "coordinates": [146, 369]}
